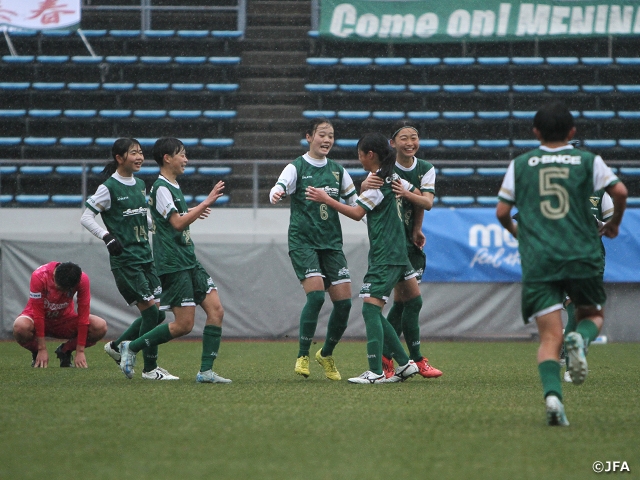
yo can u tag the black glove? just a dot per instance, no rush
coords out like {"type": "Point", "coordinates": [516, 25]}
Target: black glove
{"type": "Point", "coordinates": [113, 245]}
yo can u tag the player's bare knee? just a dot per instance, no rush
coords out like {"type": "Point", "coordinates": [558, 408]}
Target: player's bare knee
{"type": "Point", "coordinates": [97, 329]}
{"type": "Point", "coordinates": [23, 329]}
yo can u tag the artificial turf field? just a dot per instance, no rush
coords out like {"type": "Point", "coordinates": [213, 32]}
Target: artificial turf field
{"type": "Point", "coordinates": [483, 419]}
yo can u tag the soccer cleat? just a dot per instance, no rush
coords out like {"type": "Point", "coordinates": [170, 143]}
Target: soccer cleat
{"type": "Point", "coordinates": [210, 377]}
{"type": "Point", "coordinates": [158, 373]}
{"type": "Point", "coordinates": [127, 360]}
{"type": "Point", "coordinates": [387, 367]}
{"type": "Point", "coordinates": [555, 412]}
{"type": "Point", "coordinates": [426, 370]}
{"type": "Point", "coordinates": [329, 366]}
{"type": "Point", "coordinates": [112, 352]}
{"type": "Point", "coordinates": [368, 377]}
{"type": "Point", "coordinates": [567, 377]}
{"type": "Point", "coordinates": [577, 360]}
{"type": "Point", "coordinates": [34, 355]}
{"type": "Point", "coordinates": [66, 358]}
{"type": "Point", "coordinates": [302, 366]}
{"type": "Point", "coordinates": [403, 372]}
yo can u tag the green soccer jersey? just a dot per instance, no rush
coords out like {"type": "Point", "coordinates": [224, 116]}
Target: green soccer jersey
{"type": "Point", "coordinates": [173, 250]}
{"type": "Point", "coordinates": [124, 212]}
{"type": "Point", "coordinates": [311, 224]}
{"type": "Point", "coordinates": [556, 234]}
{"type": "Point", "coordinates": [385, 225]}
{"type": "Point", "coordinates": [421, 175]}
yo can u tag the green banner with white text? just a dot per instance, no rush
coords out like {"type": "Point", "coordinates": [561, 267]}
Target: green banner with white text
{"type": "Point", "coordinates": [418, 21]}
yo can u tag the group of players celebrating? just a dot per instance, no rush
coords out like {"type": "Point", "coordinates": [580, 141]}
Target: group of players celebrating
{"type": "Point", "coordinates": [559, 242]}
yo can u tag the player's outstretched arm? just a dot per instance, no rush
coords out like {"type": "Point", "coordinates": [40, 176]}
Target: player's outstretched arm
{"type": "Point", "coordinates": [618, 194]}
{"type": "Point", "coordinates": [503, 212]}
{"type": "Point", "coordinates": [180, 222]}
{"type": "Point", "coordinates": [417, 198]}
{"type": "Point", "coordinates": [318, 195]}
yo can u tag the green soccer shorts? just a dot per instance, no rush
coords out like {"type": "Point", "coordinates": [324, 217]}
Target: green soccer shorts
{"type": "Point", "coordinates": [186, 288]}
{"type": "Point", "coordinates": [329, 264]}
{"type": "Point", "coordinates": [138, 283]}
{"type": "Point", "coordinates": [380, 280]}
{"type": "Point", "coordinates": [418, 260]}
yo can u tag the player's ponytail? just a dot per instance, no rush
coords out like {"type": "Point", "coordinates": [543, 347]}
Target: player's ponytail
{"type": "Point", "coordinates": [378, 144]}
{"type": "Point", "coordinates": [120, 147]}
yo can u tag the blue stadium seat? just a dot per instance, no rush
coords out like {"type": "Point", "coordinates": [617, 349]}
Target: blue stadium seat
{"type": "Point", "coordinates": [357, 172]}
{"type": "Point", "coordinates": [94, 33]}
{"type": "Point", "coordinates": [87, 59]}
{"type": "Point", "coordinates": [155, 60]}
{"type": "Point", "coordinates": [14, 85]}
{"type": "Point", "coordinates": [224, 60]}
{"type": "Point", "coordinates": [459, 88]}
{"type": "Point", "coordinates": [159, 33]}
{"type": "Point", "coordinates": [222, 87]}
{"type": "Point", "coordinates": [318, 114]}
{"type": "Point", "coordinates": [598, 114]}
{"type": "Point", "coordinates": [193, 33]}
{"type": "Point", "coordinates": [313, 33]}
{"type": "Point", "coordinates": [563, 88]}
{"type": "Point", "coordinates": [190, 60]}
{"type": "Point", "coordinates": [83, 86]}
{"type": "Point", "coordinates": [185, 114]}
{"type": "Point", "coordinates": [493, 88]}
{"type": "Point", "coordinates": [453, 201]}
{"type": "Point", "coordinates": [36, 169]}
{"type": "Point", "coordinates": [121, 59]}
{"type": "Point", "coordinates": [525, 143]}
{"type": "Point", "coordinates": [491, 171]}
{"type": "Point", "coordinates": [227, 33]}
{"type": "Point", "coordinates": [321, 87]}
{"type": "Point", "coordinates": [190, 142]}
{"type": "Point", "coordinates": [628, 88]}
{"type": "Point", "coordinates": [628, 115]}
{"type": "Point", "coordinates": [10, 141]}
{"type": "Point", "coordinates": [597, 60]}
{"type": "Point", "coordinates": [151, 170]}
{"type": "Point", "coordinates": [633, 201]}
{"type": "Point", "coordinates": [424, 88]}
{"type": "Point", "coordinates": [32, 198]}
{"type": "Point", "coordinates": [322, 61]}
{"type": "Point", "coordinates": [597, 88]}
{"type": "Point", "coordinates": [349, 87]}
{"type": "Point", "coordinates": [425, 61]}
{"type": "Point", "coordinates": [456, 172]}
{"type": "Point", "coordinates": [494, 115]}
{"type": "Point", "coordinates": [6, 198]}
{"type": "Point", "coordinates": [115, 113]}
{"type": "Point", "coordinates": [23, 33]}
{"type": "Point", "coordinates": [600, 143]}
{"type": "Point", "coordinates": [69, 169]}
{"type": "Point", "coordinates": [429, 143]}
{"type": "Point", "coordinates": [562, 61]}
{"type": "Point", "coordinates": [354, 114]}
{"type": "Point", "coordinates": [8, 169]}
{"type": "Point", "coordinates": [17, 58]}
{"type": "Point", "coordinates": [390, 61]}
{"type": "Point", "coordinates": [190, 170]}
{"type": "Point", "coordinates": [527, 60]}
{"type": "Point", "coordinates": [39, 141]}
{"type": "Point", "coordinates": [528, 88]}
{"type": "Point", "coordinates": [117, 86]}
{"type": "Point", "coordinates": [347, 142]}
{"type": "Point", "coordinates": [458, 143]}
{"type": "Point", "coordinates": [147, 142]}
{"type": "Point", "coordinates": [153, 87]}
{"type": "Point", "coordinates": [423, 115]}
{"type": "Point", "coordinates": [629, 143]}
{"type": "Point", "coordinates": [149, 114]}
{"type": "Point", "coordinates": [381, 115]}
{"type": "Point", "coordinates": [487, 201]}
{"type": "Point", "coordinates": [103, 142]}
{"type": "Point", "coordinates": [390, 88]}
{"type": "Point", "coordinates": [493, 143]}
{"type": "Point", "coordinates": [76, 141]}
{"type": "Point", "coordinates": [47, 85]}
{"type": "Point", "coordinates": [187, 87]}
{"type": "Point", "coordinates": [66, 199]}
{"type": "Point", "coordinates": [523, 114]}
{"type": "Point", "coordinates": [628, 61]}
{"type": "Point", "coordinates": [458, 115]}
{"type": "Point", "coordinates": [55, 33]}
{"type": "Point", "coordinates": [80, 113]}
{"type": "Point", "coordinates": [52, 58]}
{"type": "Point", "coordinates": [214, 171]}
{"type": "Point", "coordinates": [356, 61]}
{"type": "Point", "coordinates": [189, 198]}
{"type": "Point", "coordinates": [631, 171]}
{"type": "Point", "coordinates": [12, 113]}
{"type": "Point", "coordinates": [223, 200]}
{"type": "Point", "coordinates": [216, 142]}
{"type": "Point", "coordinates": [459, 61]}
{"type": "Point", "coordinates": [124, 33]}
{"type": "Point", "coordinates": [493, 60]}
{"type": "Point", "coordinates": [219, 114]}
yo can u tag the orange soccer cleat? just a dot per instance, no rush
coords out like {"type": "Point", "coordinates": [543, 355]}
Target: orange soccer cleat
{"type": "Point", "coordinates": [426, 370]}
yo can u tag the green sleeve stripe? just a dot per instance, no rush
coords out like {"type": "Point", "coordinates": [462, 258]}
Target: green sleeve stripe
{"type": "Point", "coordinates": [284, 187]}
{"type": "Point", "coordinates": [97, 212]}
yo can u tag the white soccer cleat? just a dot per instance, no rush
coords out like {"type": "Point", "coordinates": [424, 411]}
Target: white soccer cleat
{"type": "Point", "coordinates": [368, 377]}
{"type": "Point", "coordinates": [403, 372]}
{"type": "Point", "coordinates": [578, 368]}
{"type": "Point", "coordinates": [567, 377]}
{"type": "Point", "coordinates": [127, 360]}
{"type": "Point", "coordinates": [555, 412]}
{"type": "Point", "coordinates": [112, 352]}
{"type": "Point", "coordinates": [159, 373]}
{"type": "Point", "coordinates": [210, 377]}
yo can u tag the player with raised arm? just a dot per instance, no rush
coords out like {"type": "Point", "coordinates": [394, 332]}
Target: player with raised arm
{"type": "Point", "coordinates": [50, 312]}
{"type": "Point", "coordinates": [404, 313]}
{"type": "Point", "coordinates": [388, 260]}
{"type": "Point", "coordinates": [122, 203]}
{"type": "Point", "coordinates": [185, 283]}
{"type": "Point", "coordinates": [315, 244]}
{"type": "Point", "coordinates": [551, 186]}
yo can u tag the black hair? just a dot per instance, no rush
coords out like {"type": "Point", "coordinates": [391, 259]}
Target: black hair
{"type": "Point", "coordinates": [554, 122]}
{"type": "Point", "coordinates": [378, 144]}
{"type": "Point", "coordinates": [400, 125]}
{"type": "Point", "coordinates": [166, 146]}
{"type": "Point", "coordinates": [315, 123]}
{"type": "Point", "coordinates": [67, 275]}
{"type": "Point", "coordinates": [120, 147]}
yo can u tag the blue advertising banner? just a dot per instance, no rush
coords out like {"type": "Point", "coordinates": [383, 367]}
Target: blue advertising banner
{"type": "Point", "coordinates": [470, 245]}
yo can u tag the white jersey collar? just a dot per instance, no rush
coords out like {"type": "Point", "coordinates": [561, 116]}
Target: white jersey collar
{"type": "Point", "coordinates": [408, 169]}
{"type": "Point", "coordinates": [314, 161]}
{"type": "Point", "coordinates": [557, 149]}
{"type": "Point", "coordinates": [124, 180]}
{"type": "Point", "coordinates": [169, 182]}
